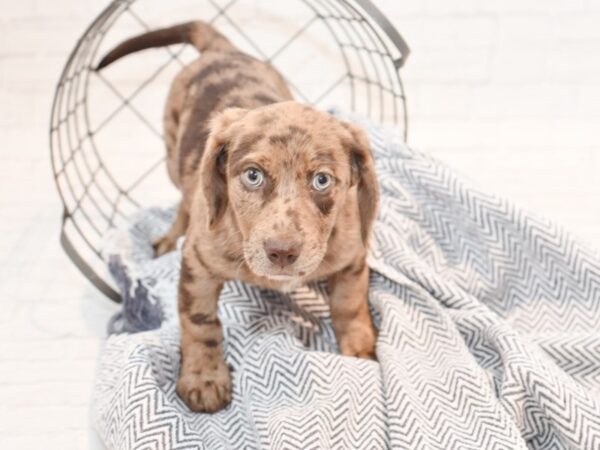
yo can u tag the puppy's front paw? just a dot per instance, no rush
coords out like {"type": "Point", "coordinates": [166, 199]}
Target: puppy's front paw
{"type": "Point", "coordinates": [359, 343]}
{"type": "Point", "coordinates": [207, 390]}
{"type": "Point", "coordinates": [164, 245]}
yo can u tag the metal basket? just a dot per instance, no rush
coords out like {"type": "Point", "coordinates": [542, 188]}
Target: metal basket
{"type": "Point", "coordinates": [106, 128]}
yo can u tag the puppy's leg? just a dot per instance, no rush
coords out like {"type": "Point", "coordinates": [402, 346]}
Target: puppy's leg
{"type": "Point", "coordinates": [175, 121]}
{"type": "Point", "coordinates": [204, 380]}
{"type": "Point", "coordinates": [168, 242]}
{"type": "Point", "coordinates": [352, 321]}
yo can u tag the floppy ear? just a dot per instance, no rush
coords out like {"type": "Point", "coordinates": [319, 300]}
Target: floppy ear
{"type": "Point", "coordinates": [213, 169]}
{"type": "Point", "coordinates": [364, 177]}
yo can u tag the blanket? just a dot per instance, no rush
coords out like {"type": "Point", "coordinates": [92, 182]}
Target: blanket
{"type": "Point", "coordinates": [489, 334]}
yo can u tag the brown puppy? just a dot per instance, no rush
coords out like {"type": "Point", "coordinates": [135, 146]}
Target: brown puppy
{"type": "Point", "coordinates": [275, 193]}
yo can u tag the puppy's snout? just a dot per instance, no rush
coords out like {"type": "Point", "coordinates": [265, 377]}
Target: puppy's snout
{"type": "Point", "coordinates": [282, 253]}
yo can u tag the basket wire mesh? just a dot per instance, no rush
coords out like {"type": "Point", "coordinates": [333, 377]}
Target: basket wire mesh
{"type": "Point", "coordinates": [105, 135]}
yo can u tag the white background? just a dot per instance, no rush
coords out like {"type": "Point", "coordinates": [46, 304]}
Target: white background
{"type": "Point", "coordinates": [506, 91]}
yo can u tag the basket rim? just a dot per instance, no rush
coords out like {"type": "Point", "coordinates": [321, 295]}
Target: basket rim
{"type": "Point", "coordinates": [369, 10]}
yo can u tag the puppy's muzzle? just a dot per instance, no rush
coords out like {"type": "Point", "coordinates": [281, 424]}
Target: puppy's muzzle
{"type": "Point", "coordinates": [282, 253]}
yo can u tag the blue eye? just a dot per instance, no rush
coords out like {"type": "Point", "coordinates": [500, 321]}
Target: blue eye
{"type": "Point", "coordinates": [321, 181]}
{"type": "Point", "coordinates": [253, 178]}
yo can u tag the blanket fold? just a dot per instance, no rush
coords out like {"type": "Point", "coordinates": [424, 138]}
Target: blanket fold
{"type": "Point", "coordinates": [489, 334]}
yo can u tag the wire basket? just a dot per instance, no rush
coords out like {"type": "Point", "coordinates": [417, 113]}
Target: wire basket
{"type": "Point", "coordinates": [106, 127]}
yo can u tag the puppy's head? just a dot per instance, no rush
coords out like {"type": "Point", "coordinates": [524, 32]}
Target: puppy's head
{"type": "Point", "coordinates": [286, 171]}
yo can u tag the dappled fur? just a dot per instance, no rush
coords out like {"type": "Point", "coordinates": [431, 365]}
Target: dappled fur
{"type": "Point", "coordinates": [227, 112]}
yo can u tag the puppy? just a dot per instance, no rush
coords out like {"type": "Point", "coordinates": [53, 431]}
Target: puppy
{"type": "Point", "coordinates": [274, 193]}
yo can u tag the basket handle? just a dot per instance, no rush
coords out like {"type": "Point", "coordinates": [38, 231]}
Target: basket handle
{"type": "Point", "coordinates": [84, 267]}
{"type": "Point", "coordinates": [389, 29]}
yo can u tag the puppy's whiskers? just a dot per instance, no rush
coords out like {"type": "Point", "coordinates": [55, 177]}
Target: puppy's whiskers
{"type": "Point", "coordinates": [239, 263]}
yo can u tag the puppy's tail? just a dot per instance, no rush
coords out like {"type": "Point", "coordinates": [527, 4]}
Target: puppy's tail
{"type": "Point", "coordinates": [200, 34]}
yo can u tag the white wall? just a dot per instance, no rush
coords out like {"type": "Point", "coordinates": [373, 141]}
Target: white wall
{"type": "Point", "coordinates": [508, 91]}
{"type": "Point", "coordinates": [52, 322]}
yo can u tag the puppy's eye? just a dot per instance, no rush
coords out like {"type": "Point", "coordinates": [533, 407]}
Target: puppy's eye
{"type": "Point", "coordinates": [321, 181]}
{"type": "Point", "coordinates": [253, 178]}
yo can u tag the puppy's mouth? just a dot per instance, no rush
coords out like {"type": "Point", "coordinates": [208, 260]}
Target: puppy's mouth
{"type": "Point", "coordinates": [271, 272]}
{"type": "Point", "coordinates": [277, 277]}
{"type": "Point", "coordinates": [278, 274]}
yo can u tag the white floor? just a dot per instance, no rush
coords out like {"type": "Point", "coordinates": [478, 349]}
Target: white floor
{"type": "Point", "coordinates": [524, 139]}
{"type": "Point", "coordinates": [52, 321]}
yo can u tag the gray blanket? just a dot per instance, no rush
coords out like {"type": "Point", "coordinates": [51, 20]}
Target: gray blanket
{"type": "Point", "coordinates": [489, 335]}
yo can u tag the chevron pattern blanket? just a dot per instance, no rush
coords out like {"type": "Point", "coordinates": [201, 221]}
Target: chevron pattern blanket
{"type": "Point", "coordinates": [489, 335]}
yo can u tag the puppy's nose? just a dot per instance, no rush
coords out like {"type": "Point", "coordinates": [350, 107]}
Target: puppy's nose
{"type": "Point", "coordinates": [282, 253]}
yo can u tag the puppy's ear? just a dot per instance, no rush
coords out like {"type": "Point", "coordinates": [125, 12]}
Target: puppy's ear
{"type": "Point", "coordinates": [213, 169]}
{"type": "Point", "coordinates": [364, 177]}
